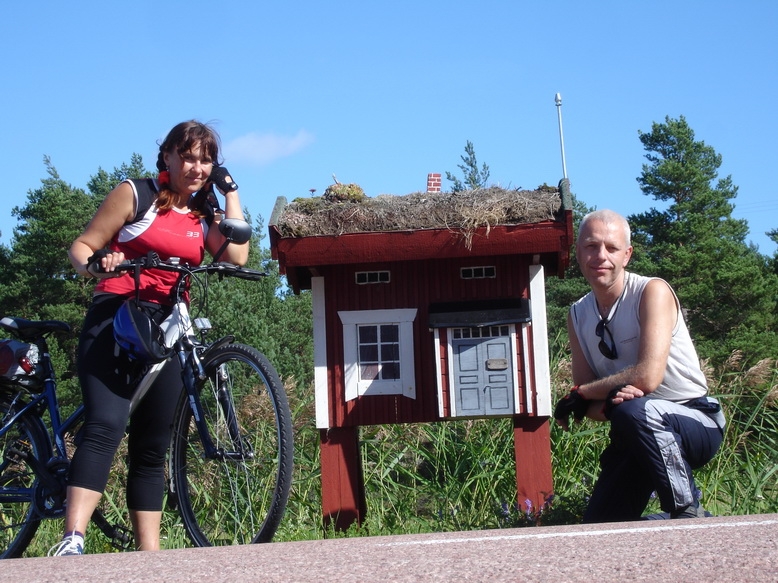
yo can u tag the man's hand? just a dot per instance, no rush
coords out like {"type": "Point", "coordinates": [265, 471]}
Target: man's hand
{"type": "Point", "coordinates": [572, 404]}
{"type": "Point", "coordinates": [618, 395]}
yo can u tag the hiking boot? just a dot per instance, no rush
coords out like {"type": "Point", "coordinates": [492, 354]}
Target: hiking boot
{"type": "Point", "coordinates": [71, 544]}
{"type": "Point", "coordinates": [694, 510]}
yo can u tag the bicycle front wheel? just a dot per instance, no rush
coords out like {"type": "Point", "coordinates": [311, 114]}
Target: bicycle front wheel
{"type": "Point", "coordinates": [19, 519]}
{"type": "Point", "coordinates": [236, 493]}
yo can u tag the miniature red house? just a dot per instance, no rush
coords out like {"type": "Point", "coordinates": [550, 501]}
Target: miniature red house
{"type": "Point", "coordinates": [419, 325]}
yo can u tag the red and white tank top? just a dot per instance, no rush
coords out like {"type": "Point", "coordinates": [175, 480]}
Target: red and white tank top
{"type": "Point", "coordinates": [171, 234]}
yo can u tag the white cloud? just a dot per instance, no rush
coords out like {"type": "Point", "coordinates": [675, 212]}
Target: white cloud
{"type": "Point", "coordinates": [263, 149]}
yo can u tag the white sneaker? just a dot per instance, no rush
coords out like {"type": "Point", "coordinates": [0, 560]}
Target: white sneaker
{"type": "Point", "coordinates": [72, 544]}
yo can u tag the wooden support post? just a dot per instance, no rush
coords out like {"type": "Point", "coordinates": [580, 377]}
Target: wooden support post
{"type": "Point", "coordinates": [342, 481]}
{"type": "Point", "coordinates": [532, 450]}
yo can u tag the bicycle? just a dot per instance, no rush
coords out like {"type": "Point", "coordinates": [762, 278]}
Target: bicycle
{"type": "Point", "coordinates": [231, 451]}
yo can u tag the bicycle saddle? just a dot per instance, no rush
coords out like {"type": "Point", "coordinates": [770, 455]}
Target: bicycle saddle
{"type": "Point", "coordinates": [30, 329]}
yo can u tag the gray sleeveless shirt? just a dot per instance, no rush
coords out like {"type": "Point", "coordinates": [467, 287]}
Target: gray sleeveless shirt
{"type": "Point", "coordinates": [684, 380]}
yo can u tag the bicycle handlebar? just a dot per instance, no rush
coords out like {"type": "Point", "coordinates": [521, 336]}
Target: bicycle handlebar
{"type": "Point", "coordinates": [152, 261]}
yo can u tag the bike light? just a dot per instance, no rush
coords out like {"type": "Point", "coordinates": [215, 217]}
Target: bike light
{"type": "Point", "coordinates": [26, 365]}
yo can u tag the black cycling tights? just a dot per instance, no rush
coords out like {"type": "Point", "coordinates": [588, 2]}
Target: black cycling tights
{"type": "Point", "coordinates": [106, 383]}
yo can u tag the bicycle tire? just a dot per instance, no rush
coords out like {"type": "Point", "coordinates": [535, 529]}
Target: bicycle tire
{"type": "Point", "coordinates": [234, 501]}
{"type": "Point", "coordinates": [19, 519]}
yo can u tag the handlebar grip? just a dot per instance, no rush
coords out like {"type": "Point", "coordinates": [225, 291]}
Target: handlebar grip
{"type": "Point", "coordinates": [232, 270]}
{"type": "Point", "coordinates": [94, 264]}
{"type": "Point", "coordinates": [151, 259]}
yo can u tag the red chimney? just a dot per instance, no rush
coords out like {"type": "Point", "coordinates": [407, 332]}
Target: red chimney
{"type": "Point", "coordinates": [433, 182]}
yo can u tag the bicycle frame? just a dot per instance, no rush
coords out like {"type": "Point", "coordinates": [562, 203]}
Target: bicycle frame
{"type": "Point", "coordinates": [58, 428]}
{"type": "Point", "coordinates": [177, 327]}
{"type": "Point", "coordinates": [51, 462]}
{"type": "Point", "coordinates": [180, 335]}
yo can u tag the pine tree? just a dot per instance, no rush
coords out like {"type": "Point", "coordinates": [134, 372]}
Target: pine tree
{"type": "Point", "coordinates": [473, 177]}
{"type": "Point", "coordinates": [696, 245]}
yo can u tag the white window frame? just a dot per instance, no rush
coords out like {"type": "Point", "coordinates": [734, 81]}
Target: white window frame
{"type": "Point", "coordinates": [473, 269]}
{"type": "Point", "coordinates": [378, 275]}
{"type": "Point", "coordinates": [355, 387]}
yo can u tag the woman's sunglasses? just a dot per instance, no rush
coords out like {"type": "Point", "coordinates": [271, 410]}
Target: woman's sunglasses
{"type": "Point", "coordinates": [607, 350]}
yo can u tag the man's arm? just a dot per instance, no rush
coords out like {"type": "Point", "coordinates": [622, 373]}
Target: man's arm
{"type": "Point", "coordinates": [658, 316]}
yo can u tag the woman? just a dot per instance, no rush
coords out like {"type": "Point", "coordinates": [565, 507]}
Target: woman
{"type": "Point", "coordinates": [177, 224]}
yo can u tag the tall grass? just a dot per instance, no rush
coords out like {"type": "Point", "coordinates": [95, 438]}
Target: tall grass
{"type": "Point", "coordinates": [743, 477]}
{"type": "Point", "coordinates": [460, 475]}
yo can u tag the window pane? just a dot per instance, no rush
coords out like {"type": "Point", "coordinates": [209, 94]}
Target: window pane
{"type": "Point", "coordinates": [368, 334]}
{"type": "Point", "coordinates": [390, 352]}
{"type": "Point", "coordinates": [368, 372]}
{"type": "Point", "coordinates": [390, 371]}
{"type": "Point", "coordinates": [368, 353]}
{"type": "Point", "coordinates": [390, 333]}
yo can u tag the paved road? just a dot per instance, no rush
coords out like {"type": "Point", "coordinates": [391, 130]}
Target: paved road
{"type": "Point", "coordinates": [736, 548]}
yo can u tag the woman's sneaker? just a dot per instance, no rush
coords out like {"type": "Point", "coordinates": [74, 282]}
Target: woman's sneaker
{"type": "Point", "coordinates": [71, 544]}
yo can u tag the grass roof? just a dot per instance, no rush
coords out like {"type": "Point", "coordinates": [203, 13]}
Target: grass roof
{"type": "Point", "coordinates": [463, 211]}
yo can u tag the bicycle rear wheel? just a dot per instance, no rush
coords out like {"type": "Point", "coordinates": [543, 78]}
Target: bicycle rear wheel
{"type": "Point", "coordinates": [19, 519]}
{"type": "Point", "coordinates": [239, 495]}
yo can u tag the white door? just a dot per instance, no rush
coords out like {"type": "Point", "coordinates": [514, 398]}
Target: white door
{"type": "Point", "coordinates": [483, 371]}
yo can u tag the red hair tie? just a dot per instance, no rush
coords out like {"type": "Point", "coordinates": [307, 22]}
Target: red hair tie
{"type": "Point", "coordinates": [164, 178]}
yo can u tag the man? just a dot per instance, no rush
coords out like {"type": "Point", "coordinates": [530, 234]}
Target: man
{"type": "Point", "coordinates": [634, 365]}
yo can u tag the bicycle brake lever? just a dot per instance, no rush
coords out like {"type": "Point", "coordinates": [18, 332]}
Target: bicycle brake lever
{"type": "Point", "coordinates": [152, 259]}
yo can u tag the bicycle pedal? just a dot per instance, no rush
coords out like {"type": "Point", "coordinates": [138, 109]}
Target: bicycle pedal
{"type": "Point", "coordinates": [15, 455]}
{"type": "Point", "coordinates": [121, 538]}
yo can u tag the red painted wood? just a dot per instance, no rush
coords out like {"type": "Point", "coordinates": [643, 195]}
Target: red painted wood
{"type": "Point", "coordinates": [414, 284]}
{"type": "Point", "coordinates": [445, 389]}
{"type": "Point", "coordinates": [550, 239]}
{"type": "Point", "coordinates": [342, 483]}
{"type": "Point", "coordinates": [532, 450]}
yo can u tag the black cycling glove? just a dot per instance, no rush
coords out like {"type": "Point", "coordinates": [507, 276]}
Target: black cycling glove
{"type": "Point", "coordinates": [221, 178]}
{"type": "Point", "coordinates": [94, 264]}
{"type": "Point", "coordinates": [608, 408]}
{"type": "Point", "coordinates": [573, 404]}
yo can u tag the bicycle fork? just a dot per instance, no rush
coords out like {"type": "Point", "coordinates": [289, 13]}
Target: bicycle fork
{"type": "Point", "coordinates": [223, 394]}
{"type": "Point", "coordinates": [227, 405]}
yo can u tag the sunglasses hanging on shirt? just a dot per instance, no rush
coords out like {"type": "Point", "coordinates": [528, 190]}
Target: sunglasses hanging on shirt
{"type": "Point", "coordinates": [608, 350]}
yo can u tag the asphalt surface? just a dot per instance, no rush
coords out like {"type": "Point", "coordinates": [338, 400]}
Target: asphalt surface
{"type": "Point", "coordinates": [735, 548]}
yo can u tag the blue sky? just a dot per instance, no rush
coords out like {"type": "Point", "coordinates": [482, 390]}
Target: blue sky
{"type": "Point", "coordinates": [382, 93]}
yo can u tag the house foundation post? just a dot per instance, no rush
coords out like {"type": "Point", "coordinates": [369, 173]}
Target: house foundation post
{"type": "Point", "coordinates": [532, 451]}
{"type": "Point", "coordinates": [342, 481]}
